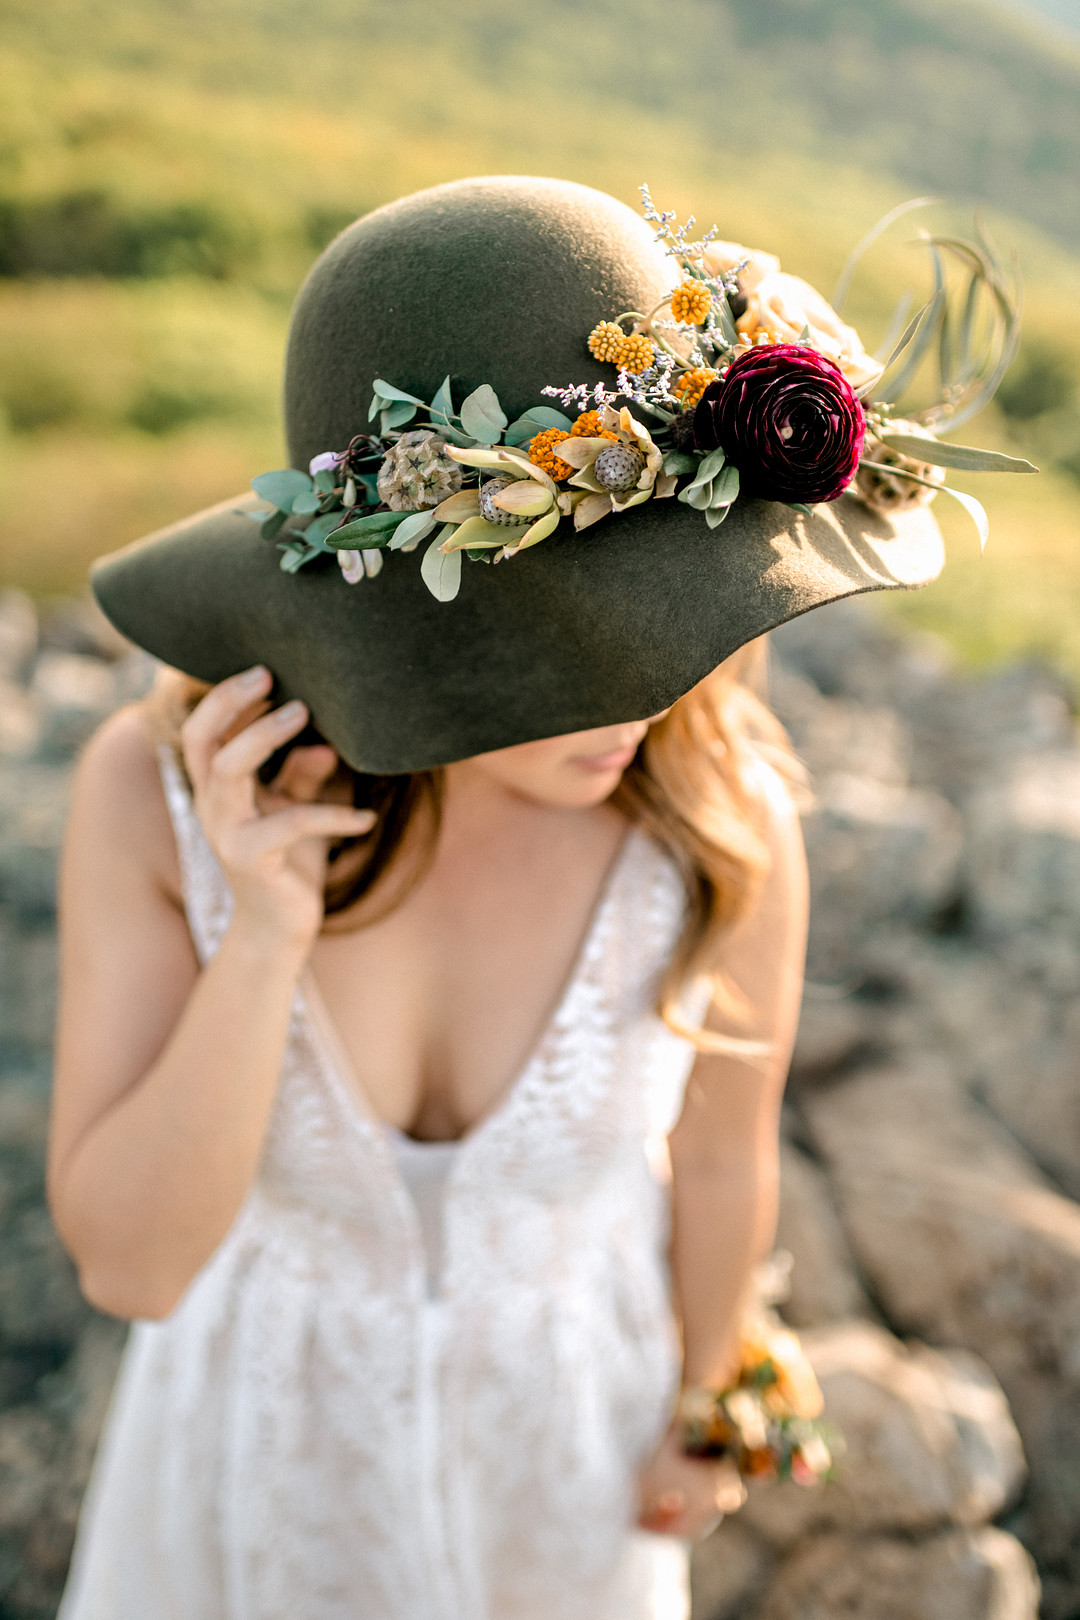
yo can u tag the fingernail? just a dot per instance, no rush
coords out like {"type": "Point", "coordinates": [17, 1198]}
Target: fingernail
{"type": "Point", "coordinates": [254, 676]}
{"type": "Point", "coordinates": [289, 713]}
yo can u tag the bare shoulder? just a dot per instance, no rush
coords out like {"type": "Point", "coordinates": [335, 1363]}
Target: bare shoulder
{"type": "Point", "coordinates": [118, 803]}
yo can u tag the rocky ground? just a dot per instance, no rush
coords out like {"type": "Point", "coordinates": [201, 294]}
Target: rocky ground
{"type": "Point", "coordinates": [932, 1137]}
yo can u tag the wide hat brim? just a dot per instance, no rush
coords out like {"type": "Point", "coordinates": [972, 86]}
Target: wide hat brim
{"type": "Point", "coordinates": [583, 630]}
{"type": "Point", "coordinates": [496, 281]}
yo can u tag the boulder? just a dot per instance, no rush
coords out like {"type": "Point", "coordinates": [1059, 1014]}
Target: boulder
{"type": "Point", "coordinates": [980, 1574]}
{"type": "Point", "coordinates": [965, 1243]}
{"type": "Point", "coordinates": [823, 1285]}
{"type": "Point", "coordinates": [18, 633]}
{"type": "Point", "coordinates": [75, 692]}
{"type": "Point", "coordinates": [877, 854]}
{"type": "Point", "coordinates": [833, 1030]}
{"type": "Point", "coordinates": [728, 1569]}
{"type": "Point", "coordinates": [928, 1442]}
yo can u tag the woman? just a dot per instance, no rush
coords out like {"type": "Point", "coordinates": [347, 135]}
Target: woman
{"type": "Point", "coordinates": [383, 1100]}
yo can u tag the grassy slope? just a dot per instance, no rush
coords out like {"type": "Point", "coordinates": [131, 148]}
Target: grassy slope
{"type": "Point", "coordinates": [133, 402]}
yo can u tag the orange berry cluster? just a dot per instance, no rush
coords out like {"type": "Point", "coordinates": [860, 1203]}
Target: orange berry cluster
{"type": "Point", "coordinates": [589, 426]}
{"type": "Point", "coordinates": [542, 453]}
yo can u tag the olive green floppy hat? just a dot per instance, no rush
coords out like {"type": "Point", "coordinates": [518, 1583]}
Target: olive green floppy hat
{"type": "Point", "coordinates": [496, 285]}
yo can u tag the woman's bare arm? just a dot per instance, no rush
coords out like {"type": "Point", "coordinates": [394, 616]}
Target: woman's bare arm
{"type": "Point", "coordinates": [165, 1075]}
{"type": "Point", "coordinates": [725, 1150]}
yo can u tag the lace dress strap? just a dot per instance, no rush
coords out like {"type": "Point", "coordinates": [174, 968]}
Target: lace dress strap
{"type": "Point", "coordinates": [207, 898]}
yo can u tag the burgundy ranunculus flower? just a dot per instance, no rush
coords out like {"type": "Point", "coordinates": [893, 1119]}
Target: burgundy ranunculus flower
{"type": "Point", "coordinates": [788, 419]}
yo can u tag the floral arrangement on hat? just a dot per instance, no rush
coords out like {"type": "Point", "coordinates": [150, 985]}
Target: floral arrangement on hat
{"type": "Point", "coordinates": [741, 381]}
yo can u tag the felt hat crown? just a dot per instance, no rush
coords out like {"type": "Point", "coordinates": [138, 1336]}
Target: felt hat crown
{"type": "Point", "coordinates": [488, 281]}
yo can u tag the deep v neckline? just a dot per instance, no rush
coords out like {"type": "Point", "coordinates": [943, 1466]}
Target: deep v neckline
{"type": "Point", "coordinates": [342, 1069]}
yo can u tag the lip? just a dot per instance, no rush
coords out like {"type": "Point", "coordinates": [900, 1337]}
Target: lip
{"type": "Point", "coordinates": [601, 764]}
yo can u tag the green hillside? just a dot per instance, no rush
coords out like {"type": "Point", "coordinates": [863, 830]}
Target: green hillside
{"type": "Point", "coordinates": [169, 169]}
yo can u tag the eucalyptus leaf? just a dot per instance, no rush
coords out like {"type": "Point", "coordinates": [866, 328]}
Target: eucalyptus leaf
{"type": "Point", "coordinates": [325, 481]}
{"type": "Point", "coordinates": [441, 571]}
{"type": "Point", "coordinates": [385, 390]}
{"type": "Point", "coordinates": [725, 487]}
{"type": "Point", "coordinates": [962, 456]}
{"type": "Point", "coordinates": [364, 533]}
{"type": "Point", "coordinates": [396, 416]}
{"type": "Point", "coordinates": [309, 501]}
{"type": "Point", "coordinates": [273, 524]}
{"type": "Point", "coordinates": [442, 405]}
{"type": "Point", "coordinates": [476, 555]}
{"type": "Point", "coordinates": [708, 467]}
{"type": "Point", "coordinates": [482, 416]}
{"type": "Point", "coordinates": [546, 416]}
{"type": "Point", "coordinates": [294, 556]}
{"type": "Point", "coordinates": [800, 506]}
{"type": "Point", "coordinates": [417, 526]}
{"type": "Point", "coordinates": [678, 463]}
{"type": "Point", "coordinates": [282, 487]}
{"type": "Point", "coordinates": [697, 495]}
{"type": "Point", "coordinates": [321, 527]}
{"type": "Point", "coordinates": [716, 515]}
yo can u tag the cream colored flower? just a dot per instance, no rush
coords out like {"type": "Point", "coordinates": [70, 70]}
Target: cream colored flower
{"type": "Point", "coordinates": [784, 306]}
{"type": "Point", "coordinates": [599, 499]}
{"type": "Point", "coordinates": [723, 257]}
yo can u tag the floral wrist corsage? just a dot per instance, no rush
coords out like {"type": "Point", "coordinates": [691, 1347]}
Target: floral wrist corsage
{"type": "Point", "coordinates": [766, 1421]}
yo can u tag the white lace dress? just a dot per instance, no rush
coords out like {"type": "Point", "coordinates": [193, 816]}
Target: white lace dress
{"type": "Point", "coordinates": [321, 1430]}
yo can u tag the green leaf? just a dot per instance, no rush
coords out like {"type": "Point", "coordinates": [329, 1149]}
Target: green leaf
{"type": "Point", "coordinates": [677, 462]}
{"type": "Point", "coordinates": [725, 487]}
{"type": "Point", "coordinates": [319, 528]}
{"type": "Point", "coordinates": [325, 481]}
{"type": "Point", "coordinates": [396, 416]}
{"type": "Point", "coordinates": [365, 533]}
{"type": "Point", "coordinates": [442, 405]}
{"type": "Point", "coordinates": [273, 524]}
{"type": "Point", "coordinates": [294, 556]}
{"type": "Point", "coordinates": [415, 528]}
{"type": "Point", "coordinates": [722, 310]}
{"type": "Point", "coordinates": [476, 555]}
{"type": "Point", "coordinates": [385, 390]}
{"type": "Point", "coordinates": [962, 456]}
{"type": "Point", "coordinates": [482, 416]}
{"type": "Point", "coordinates": [708, 467]}
{"type": "Point", "coordinates": [697, 495]}
{"type": "Point", "coordinates": [441, 571]}
{"type": "Point", "coordinates": [308, 501]}
{"type": "Point", "coordinates": [840, 291]}
{"type": "Point", "coordinates": [282, 487]}
{"type": "Point", "coordinates": [800, 506]}
{"type": "Point", "coordinates": [716, 515]}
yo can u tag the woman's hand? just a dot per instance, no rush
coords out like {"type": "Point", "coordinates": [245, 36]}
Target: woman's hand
{"type": "Point", "coordinates": [686, 1496]}
{"type": "Point", "coordinates": [272, 843]}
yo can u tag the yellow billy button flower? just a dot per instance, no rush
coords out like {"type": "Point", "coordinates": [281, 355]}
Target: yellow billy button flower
{"type": "Point", "coordinates": [691, 303]}
{"type": "Point", "coordinates": [606, 343]}
{"type": "Point", "coordinates": [638, 353]}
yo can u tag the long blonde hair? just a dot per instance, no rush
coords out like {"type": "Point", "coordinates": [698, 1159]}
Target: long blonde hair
{"type": "Point", "coordinates": [694, 785]}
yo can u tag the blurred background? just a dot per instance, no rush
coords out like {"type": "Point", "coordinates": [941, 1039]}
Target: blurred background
{"type": "Point", "coordinates": [169, 169]}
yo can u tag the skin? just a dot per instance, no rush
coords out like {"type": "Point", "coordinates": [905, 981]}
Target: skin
{"type": "Point", "coordinates": [166, 1075]}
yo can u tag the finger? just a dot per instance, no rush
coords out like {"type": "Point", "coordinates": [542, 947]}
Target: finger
{"type": "Point", "coordinates": [211, 719]}
{"type": "Point", "coordinates": [285, 827]}
{"type": "Point", "coordinates": [231, 774]}
{"type": "Point", "coordinates": [304, 772]}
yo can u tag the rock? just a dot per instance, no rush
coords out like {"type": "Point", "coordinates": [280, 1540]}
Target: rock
{"type": "Point", "coordinates": [928, 1442]}
{"type": "Point", "coordinates": [727, 1570]}
{"type": "Point", "coordinates": [75, 692]}
{"type": "Point", "coordinates": [834, 734]}
{"type": "Point", "coordinates": [1033, 1087]}
{"type": "Point", "coordinates": [980, 1574]}
{"type": "Point", "coordinates": [1022, 866]}
{"type": "Point", "coordinates": [20, 721]}
{"type": "Point", "coordinates": [876, 853]}
{"type": "Point", "coordinates": [965, 1243]}
{"type": "Point", "coordinates": [33, 806]}
{"type": "Point", "coordinates": [823, 1286]}
{"type": "Point", "coordinates": [833, 1030]}
{"type": "Point", "coordinates": [18, 633]}
{"type": "Point", "coordinates": [849, 649]}
{"type": "Point", "coordinates": [73, 624]}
